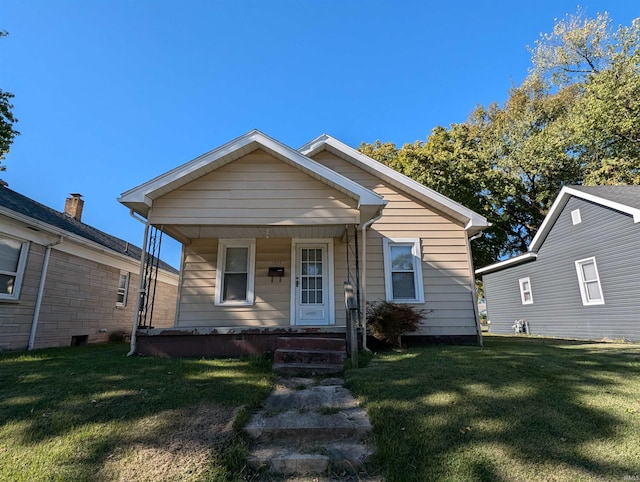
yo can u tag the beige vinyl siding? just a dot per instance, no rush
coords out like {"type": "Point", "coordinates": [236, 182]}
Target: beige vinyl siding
{"type": "Point", "coordinates": [447, 274]}
{"type": "Point", "coordinates": [255, 189]}
{"type": "Point", "coordinates": [271, 308]}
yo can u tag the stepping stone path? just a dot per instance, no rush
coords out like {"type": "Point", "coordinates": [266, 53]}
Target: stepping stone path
{"type": "Point", "coordinates": [310, 426]}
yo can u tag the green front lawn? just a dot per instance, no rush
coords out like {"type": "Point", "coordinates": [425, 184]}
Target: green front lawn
{"type": "Point", "coordinates": [519, 409]}
{"type": "Point", "coordinates": [92, 413]}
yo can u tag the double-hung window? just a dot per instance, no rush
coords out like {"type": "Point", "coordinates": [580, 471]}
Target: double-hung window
{"type": "Point", "coordinates": [123, 288]}
{"type": "Point", "coordinates": [235, 273]}
{"type": "Point", "coordinates": [590, 288]}
{"type": "Point", "coordinates": [403, 271]}
{"type": "Point", "coordinates": [526, 295]}
{"type": "Point", "coordinates": [13, 258]}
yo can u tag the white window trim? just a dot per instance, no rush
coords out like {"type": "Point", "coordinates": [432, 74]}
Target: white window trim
{"type": "Point", "coordinates": [223, 244]}
{"type": "Point", "coordinates": [523, 291]}
{"type": "Point", "coordinates": [126, 288]}
{"type": "Point", "coordinates": [582, 282]}
{"type": "Point", "coordinates": [19, 274]}
{"type": "Point", "coordinates": [417, 269]}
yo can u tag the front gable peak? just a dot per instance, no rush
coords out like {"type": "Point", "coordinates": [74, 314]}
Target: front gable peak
{"type": "Point", "coordinates": [140, 199]}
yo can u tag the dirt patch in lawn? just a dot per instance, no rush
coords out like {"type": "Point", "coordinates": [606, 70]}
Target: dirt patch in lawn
{"type": "Point", "coordinates": [172, 445]}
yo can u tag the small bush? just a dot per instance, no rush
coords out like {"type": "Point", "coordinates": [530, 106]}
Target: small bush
{"type": "Point", "coordinates": [389, 321]}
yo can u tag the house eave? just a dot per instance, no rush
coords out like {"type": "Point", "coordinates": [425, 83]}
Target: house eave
{"type": "Point", "coordinates": [508, 263]}
{"type": "Point", "coordinates": [473, 222]}
{"type": "Point", "coordinates": [561, 201]}
{"type": "Point", "coordinates": [140, 199]}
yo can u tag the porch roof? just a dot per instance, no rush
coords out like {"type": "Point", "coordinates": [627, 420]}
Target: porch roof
{"type": "Point", "coordinates": [140, 199]}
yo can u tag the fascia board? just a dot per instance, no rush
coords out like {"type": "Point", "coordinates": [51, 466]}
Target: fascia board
{"type": "Point", "coordinates": [523, 258]}
{"type": "Point", "coordinates": [473, 221]}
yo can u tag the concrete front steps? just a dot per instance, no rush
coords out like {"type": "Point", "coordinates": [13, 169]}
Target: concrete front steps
{"type": "Point", "coordinates": [310, 427]}
{"type": "Point", "coordinates": [306, 355]}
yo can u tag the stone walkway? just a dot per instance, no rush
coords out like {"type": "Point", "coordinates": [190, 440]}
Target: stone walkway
{"type": "Point", "coordinates": [310, 426]}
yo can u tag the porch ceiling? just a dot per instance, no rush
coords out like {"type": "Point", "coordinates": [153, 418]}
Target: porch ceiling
{"type": "Point", "coordinates": [185, 233]}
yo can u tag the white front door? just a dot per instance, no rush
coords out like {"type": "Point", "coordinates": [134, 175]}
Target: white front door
{"type": "Point", "coordinates": [312, 284]}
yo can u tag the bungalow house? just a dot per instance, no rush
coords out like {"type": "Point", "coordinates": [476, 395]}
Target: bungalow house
{"type": "Point", "coordinates": [63, 282]}
{"type": "Point", "coordinates": [580, 277]}
{"type": "Point", "coordinates": [270, 234]}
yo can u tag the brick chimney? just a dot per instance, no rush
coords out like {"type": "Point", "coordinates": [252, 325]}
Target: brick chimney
{"type": "Point", "coordinates": [73, 206]}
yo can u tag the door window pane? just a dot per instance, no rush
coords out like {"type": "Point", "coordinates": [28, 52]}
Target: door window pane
{"type": "Point", "coordinates": [311, 273]}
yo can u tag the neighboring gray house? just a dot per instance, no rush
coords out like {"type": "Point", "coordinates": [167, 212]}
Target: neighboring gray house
{"type": "Point", "coordinates": [581, 275]}
{"type": "Point", "coordinates": [63, 282]}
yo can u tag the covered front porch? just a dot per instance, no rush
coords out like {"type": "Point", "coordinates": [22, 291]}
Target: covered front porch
{"type": "Point", "coordinates": [269, 238]}
{"type": "Point", "coordinates": [243, 288]}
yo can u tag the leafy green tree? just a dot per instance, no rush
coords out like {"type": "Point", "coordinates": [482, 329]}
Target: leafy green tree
{"type": "Point", "coordinates": [603, 64]}
{"type": "Point", "coordinates": [7, 120]}
{"type": "Point", "coordinates": [574, 120]}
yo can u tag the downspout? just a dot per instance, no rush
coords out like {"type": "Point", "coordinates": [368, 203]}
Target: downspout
{"type": "Point", "coordinates": [363, 279]}
{"type": "Point", "coordinates": [141, 280]}
{"type": "Point", "coordinates": [474, 297]}
{"type": "Point", "coordinates": [43, 278]}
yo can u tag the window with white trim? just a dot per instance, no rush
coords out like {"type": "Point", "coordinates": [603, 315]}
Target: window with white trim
{"type": "Point", "coordinates": [123, 289]}
{"type": "Point", "coordinates": [526, 295]}
{"type": "Point", "coordinates": [235, 276]}
{"type": "Point", "coordinates": [590, 288]}
{"type": "Point", "coordinates": [403, 271]}
{"type": "Point", "coordinates": [13, 259]}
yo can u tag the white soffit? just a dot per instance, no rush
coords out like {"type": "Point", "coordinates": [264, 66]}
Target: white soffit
{"type": "Point", "coordinates": [474, 222]}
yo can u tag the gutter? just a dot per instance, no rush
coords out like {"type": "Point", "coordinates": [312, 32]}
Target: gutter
{"type": "Point", "coordinates": [43, 278]}
{"type": "Point", "coordinates": [363, 278]}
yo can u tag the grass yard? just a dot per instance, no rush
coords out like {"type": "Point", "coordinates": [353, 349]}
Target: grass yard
{"type": "Point", "coordinates": [91, 413]}
{"type": "Point", "coordinates": [519, 409]}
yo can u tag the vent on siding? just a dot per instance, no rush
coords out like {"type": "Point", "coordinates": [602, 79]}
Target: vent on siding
{"type": "Point", "coordinates": [575, 217]}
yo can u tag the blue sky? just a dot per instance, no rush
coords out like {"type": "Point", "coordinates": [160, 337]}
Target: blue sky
{"type": "Point", "coordinates": [111, 93]}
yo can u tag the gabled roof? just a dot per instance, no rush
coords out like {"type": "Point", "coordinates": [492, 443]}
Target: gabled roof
{"type": "Point", "coordinates": [22, 208]}
{"type": "Point", "coordinates": [473, 222]}
{"type": "Point", "coordinates": [625, 199]}
{"type": "Point", "coordinates": [140, 198]}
